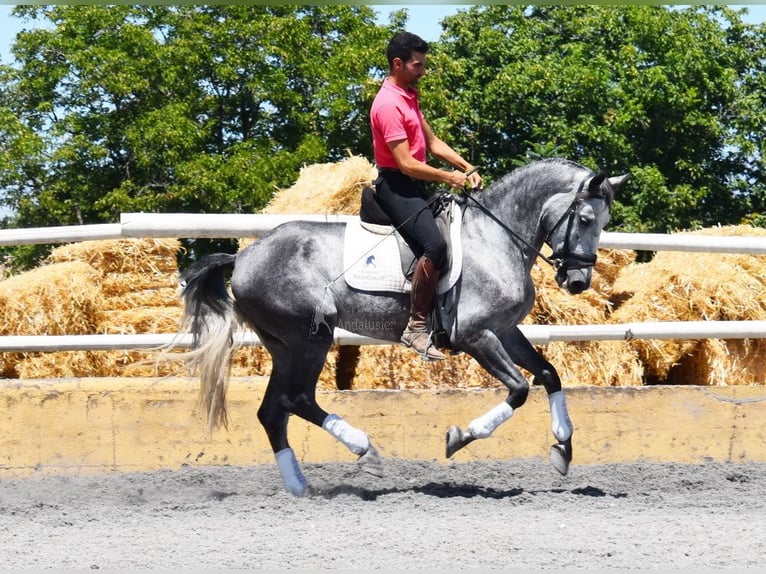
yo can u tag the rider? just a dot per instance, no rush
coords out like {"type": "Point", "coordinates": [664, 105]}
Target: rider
{"type": "Point", "coordinates": [401, 139]}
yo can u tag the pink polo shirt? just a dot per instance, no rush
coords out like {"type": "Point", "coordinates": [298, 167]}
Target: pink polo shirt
{"type": "Point", "coordinates": [395, 115]}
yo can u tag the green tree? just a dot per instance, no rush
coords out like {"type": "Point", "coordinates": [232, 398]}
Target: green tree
{"type": "Point", "coordinates": [212, 108]}
{"type": "Point", "coordinates": [179, 108]}
{"type": "Point", "coordinates": [673, 96]}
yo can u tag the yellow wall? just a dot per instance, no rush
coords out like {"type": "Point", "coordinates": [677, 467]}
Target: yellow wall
{"type": "Point", "coordinates": [89, 426]}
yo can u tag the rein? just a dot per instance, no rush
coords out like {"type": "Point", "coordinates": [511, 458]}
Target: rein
{"type": "Point", "coordinates": [553, 263]}
{"type": "Point", "coordinates": [569, 214]}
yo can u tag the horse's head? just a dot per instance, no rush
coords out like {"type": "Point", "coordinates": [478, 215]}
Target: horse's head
{"type": "Point", "coordinates": [575, 233]}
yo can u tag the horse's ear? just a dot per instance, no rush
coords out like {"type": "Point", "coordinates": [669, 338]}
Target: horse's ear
{"type": "Point", "coordinates": [618, 181]}
{"type": "Point", "coordinates": [594, 185]}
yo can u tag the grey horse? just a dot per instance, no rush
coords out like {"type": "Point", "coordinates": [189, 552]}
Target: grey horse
{"type": "Point", "coordinates": [293, 274]}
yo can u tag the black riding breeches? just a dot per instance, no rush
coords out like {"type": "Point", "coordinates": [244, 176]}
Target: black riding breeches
{"type": "Point", "coordinates": [404, 201]}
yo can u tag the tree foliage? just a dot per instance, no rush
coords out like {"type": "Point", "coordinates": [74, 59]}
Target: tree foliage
{"type": "Point", "coordinates": [111, 109]}
{"type": "Point", "coordinates": [673, 96]}
{"type": "Point", "coordinates": [179, 108]}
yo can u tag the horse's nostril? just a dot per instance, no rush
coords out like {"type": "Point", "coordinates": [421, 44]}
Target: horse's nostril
{"type": "Point", "coordinates": [576, 287]}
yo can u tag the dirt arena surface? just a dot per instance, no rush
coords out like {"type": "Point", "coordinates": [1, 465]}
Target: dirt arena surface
{"type": "Point", "coordinates": [421, 515]}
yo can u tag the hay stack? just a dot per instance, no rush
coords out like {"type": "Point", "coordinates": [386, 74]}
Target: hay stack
{"type": "Point", "coordinates": [326, 188]}
{"type": "Point", "coordinates": [677, 286]}
{"type": "Point", "coordinates": [120, 286]}
{"type": "Point", "coordinates": [138, 280]}
{"type": "Point", "coordinates": [50, 300]}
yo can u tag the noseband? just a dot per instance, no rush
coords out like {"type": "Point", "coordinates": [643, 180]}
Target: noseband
{"type": "Point", "coordinates": [563, 259]}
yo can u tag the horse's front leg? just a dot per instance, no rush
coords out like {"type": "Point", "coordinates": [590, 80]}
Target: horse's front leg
{"type": "Point", "coordinates": [489, 351]}
{"type": "Point", "coordinates": [499, 357]}
{"type": "Point", "coordinates": [526, 356]}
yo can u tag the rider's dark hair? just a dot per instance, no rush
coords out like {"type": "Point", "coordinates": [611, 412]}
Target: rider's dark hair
{"type": "Point", "coordinates": [402, 45]}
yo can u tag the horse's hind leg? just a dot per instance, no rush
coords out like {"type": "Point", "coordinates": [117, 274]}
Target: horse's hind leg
{"type": "Point", "coordinates": [273, 415]}
{"type": "Point", "coordinates": [292, 390]}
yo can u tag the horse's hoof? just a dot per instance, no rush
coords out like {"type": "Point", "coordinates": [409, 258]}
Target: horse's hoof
{"type": "Point", "coordinates": [298, 489]}
{"type": "Point", "coordinates": [371, 462]}
{"type": "Point", "coordinates": [456, 439]}
{"type": "Point", "coordinates": [561, 456]}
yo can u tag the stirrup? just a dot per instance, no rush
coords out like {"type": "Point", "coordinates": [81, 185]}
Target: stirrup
{"type": "Point", "coordinates": [429, 352]}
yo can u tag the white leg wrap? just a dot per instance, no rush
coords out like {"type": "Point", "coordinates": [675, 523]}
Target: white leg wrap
{"type": "Point", "coordinates": [355, 440]}
{"type": "Point", "coordinates": [561, 425]}
{"type": "Point", "coordinates": [485, 425]}
{"type": "Point", "coordinates": [291, 474]}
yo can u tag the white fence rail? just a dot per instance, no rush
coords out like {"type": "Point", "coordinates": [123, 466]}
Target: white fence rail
{"type": "Point", "coordinates": [184, 225]}
{"type": "Point", "coordinates": [537, 335]}
{"type": "Point", "coordinates": [212, 225]}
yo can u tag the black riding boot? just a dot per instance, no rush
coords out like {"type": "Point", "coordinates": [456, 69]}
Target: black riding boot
{"type": "Point", "coordinates": [416, 335]}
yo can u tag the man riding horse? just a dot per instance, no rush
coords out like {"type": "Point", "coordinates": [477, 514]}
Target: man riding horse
{"type": "Point", "coordinates": [401, 139]}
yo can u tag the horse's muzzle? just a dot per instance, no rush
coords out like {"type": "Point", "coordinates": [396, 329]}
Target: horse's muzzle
{"type": "Point", "coordinates": [574, 280]}
{"type": "Point", "coordinates": [574, 273]}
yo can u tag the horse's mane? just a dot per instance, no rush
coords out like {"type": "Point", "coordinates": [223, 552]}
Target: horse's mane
{"type": "Point", "coordinates": [515, 181]}
{"type": "Point", "coordinates": [533, 168]}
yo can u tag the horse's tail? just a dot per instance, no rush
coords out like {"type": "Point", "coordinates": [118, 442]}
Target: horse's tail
{"type": "Point", "coordinates": [209, 315]}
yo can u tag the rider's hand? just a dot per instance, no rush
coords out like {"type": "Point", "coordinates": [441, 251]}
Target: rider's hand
{"type": "Point", "coordinates": [456, 180]}
{"type": "Point", "coordinates": [474, 179]}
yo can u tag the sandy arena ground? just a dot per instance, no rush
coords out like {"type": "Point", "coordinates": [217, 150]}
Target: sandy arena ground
{"type": "Point", "coordinates": [421, 515]}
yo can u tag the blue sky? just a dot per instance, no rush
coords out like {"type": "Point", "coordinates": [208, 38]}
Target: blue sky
{"type": "Point", "coordinates": [423, 20]}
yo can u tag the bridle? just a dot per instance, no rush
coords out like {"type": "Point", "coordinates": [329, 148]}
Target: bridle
{"type": "Point", "coordinates": [562, 259]}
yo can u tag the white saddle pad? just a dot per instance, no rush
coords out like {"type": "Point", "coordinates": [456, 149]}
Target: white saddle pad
{"type": "Point", "coordinates": [371, 261]}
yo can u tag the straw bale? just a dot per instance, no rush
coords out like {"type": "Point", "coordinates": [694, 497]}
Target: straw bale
{"type": "Point", "coordinates": [595, 363]}
{"type": "Point", "coordinates": [678, 286]}
{"type": "Point", "coordinates": [122, 284]}
{"type": "Point", "coordinates": [682, 286]}
{"type": "Point", "coordinates": [130, 255]}
{"type": "Point", "coordinates": [331, 188]}
{"type": "Point", "coordinates": [609, 265]}
{"type": "Point", "coordinates": [66, 296]}
{"type": "Point", "coordinates": [646, 293]}
{"type": "Point", "coordinates": [326, 188]}
{"type": "Point", "coordinates": [119, 363]}
{"type": "Point", "coordinates": [62, 365]}
{"type": "Point", "coordinates": [142, 320]}
{"type": "Point", "coordinates": [61, 299]}
{"type": "Point", "coordinates": [717, 362]}
{"type": "Point", "coordinates": [159, 297]}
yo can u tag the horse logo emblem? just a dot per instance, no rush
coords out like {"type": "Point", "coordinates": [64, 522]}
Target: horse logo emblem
{"type": "Point", "coordinates": [370, 261]}
{"type": "Point", "coordinates": [317, 320]}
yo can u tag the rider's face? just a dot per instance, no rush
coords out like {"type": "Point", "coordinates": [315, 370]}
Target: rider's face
{"type": "Point", "coordinates": [409, 73]}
